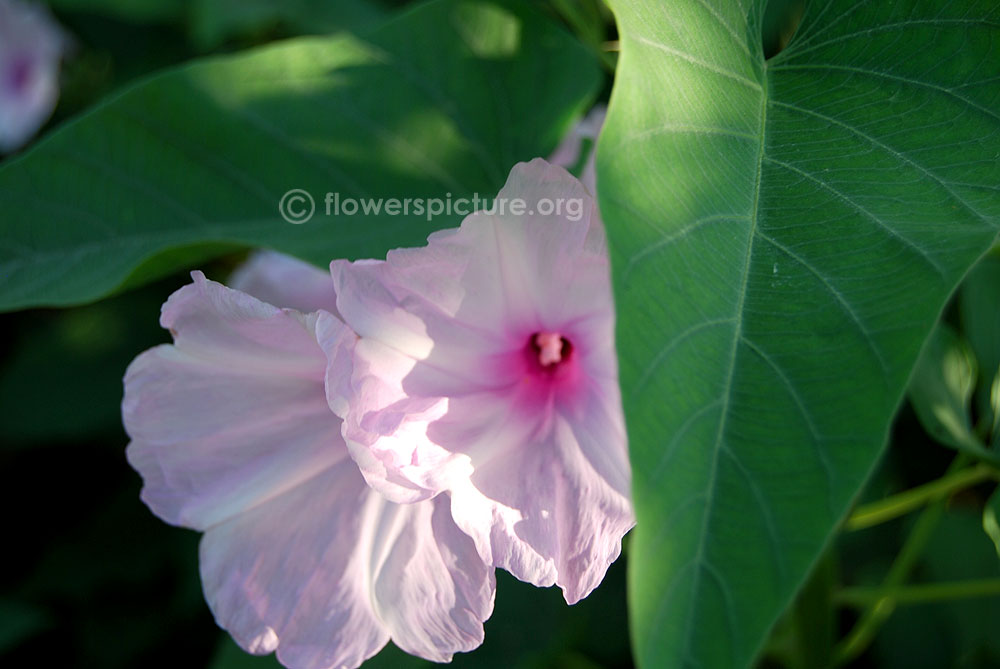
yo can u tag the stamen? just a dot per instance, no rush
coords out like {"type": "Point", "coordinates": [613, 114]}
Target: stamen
{"type": "Point", "coordinates": [552, 347]}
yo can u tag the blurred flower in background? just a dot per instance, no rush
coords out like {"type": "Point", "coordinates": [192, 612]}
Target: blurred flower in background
{"type": "Point", "coordinates": [31, 47]}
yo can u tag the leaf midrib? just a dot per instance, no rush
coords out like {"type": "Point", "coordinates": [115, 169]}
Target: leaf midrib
{"type": "Point", "coordinates": [699, 559]}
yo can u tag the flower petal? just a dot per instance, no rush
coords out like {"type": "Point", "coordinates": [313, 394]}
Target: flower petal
{"type": "Point", "coordinates": [328, 571]}
{"type": "Point", "coordinates": [285, 281]}
{"type": "Point", "coordinates": [233, 434]}
{"type": "Point", "coordinates": [536, 504]}
{"type": "Point", "coordinates": [432, 590]}
{"type": "Point", "coordinates": [286, 575]}
{"type": "Point", "coordinates": [389, 443]}
{"type": "Point", "coordinates": [441, 399]}
{"type": "Point", "coordinates": [232, 414]}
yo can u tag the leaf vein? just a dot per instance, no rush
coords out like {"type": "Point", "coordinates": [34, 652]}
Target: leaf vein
{"type": "Point", "coordinates": [836, 294]}
{"type": "Point", "coordinates": [681, 55]}
{"type": "Point", "coordinates": [888, 149]}
{"type": "Point", "coordinates": [882, 224]}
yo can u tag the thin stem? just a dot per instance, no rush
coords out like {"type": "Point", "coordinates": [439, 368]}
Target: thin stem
{"type": "Point", "coordinates": [919, 594]}
{"type": "Point", "coordinates": [873, 618]}
{"type": "Point", "coordinates": [902, 503]}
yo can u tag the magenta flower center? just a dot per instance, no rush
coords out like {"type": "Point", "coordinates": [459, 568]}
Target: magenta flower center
{"type": "Point", "coordinates": [551, 349]}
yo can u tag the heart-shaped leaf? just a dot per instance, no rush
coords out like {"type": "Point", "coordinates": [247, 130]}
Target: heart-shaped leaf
{"type": "Point", "coordinates": [784, 234]}
{"type": "Point", "coordinates": [439, 102]}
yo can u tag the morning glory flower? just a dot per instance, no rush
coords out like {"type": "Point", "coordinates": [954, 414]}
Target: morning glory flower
{"type": "Point", "coordinates": [233, 436]}
{"type": "Point", "coordinates": [31, 46]}
{"type": "Point", "coordinates": [486, 369]}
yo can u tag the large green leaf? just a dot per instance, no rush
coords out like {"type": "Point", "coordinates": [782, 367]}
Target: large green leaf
{"type": "Point", "coordinates": [443, 100]}
{"type": "Point", "coordinates": [784, 234]}
{"type": "Point", "coordinates": [212, 21]}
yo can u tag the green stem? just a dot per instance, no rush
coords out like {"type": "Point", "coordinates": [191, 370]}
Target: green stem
{"type": "Point", "coordinates": [902, 503]}
{"type": "Point", "coordinates": [919, 594]}
{"type": "Point", "coordinates": [872, 619]}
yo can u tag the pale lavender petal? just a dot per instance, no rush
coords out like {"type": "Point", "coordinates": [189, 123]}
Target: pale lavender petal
{"type": "Point", "coordinates": [286, 575]}
{"type": "Point", "coordinates": [431, 588]}
{"type": "Point", "coordinates": [285, 281]}
{"type": "Point", "coordinates": [395, 303]}
{"type": "Point", "coordinates": [231, 415]}
{"type": "Point", "coordinates": [536, 504]}
{"type": "Point", "coordinates": [388, 444]}
{"type": "Point", "coordinates": [445, 396]}
{"type": "Point", "coordinates": [329, 571]}
{"type": "Point", "coordinates": [598, 427]}
{"type": "Point", "coordinates": [233, 434]}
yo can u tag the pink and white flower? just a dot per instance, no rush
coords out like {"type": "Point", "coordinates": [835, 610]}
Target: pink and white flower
{"type": "Point", "coordinates": [486, 369]}
{"type": "Point", "coordinates": [474, 385]}
{"type": "Point", "coordinates": [31, 46]}
{"type": "Point", "coordinates": [233, 436]}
